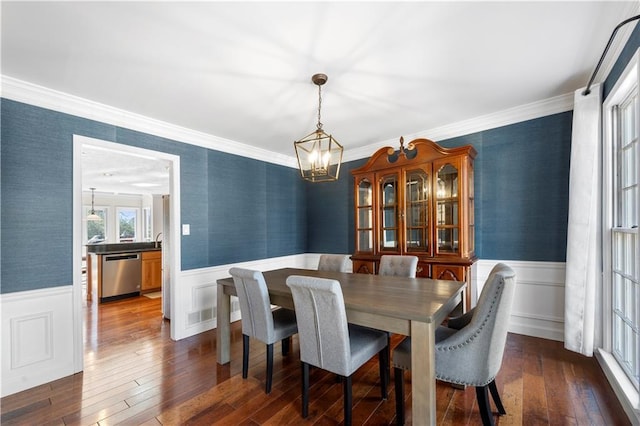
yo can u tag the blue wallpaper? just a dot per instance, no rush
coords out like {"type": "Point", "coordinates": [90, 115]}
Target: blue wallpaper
{"type": "Point", "coordinates": [330, 217]}
{"type": "Point", "coordinates": [36, 212]}
{"type": "Point", "coordinates": [521, 188]}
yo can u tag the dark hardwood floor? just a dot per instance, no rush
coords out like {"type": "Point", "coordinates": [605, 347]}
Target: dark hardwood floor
{"type": "Point", "coordinates": [134, 374]}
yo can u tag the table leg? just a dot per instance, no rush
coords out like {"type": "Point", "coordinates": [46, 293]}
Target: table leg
{"type": "Point", "coordinates": [423, 373]}
{"type": "Point", "coordinates": [223, 326]}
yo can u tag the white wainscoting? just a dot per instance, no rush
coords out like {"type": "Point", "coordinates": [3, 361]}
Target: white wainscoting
{"type": "Point", "coordinates": [37, 337]}
{"type": "Point", "coordinates": [199, 290]}
{"type": "Point", "coordinates": [538, 307]}
{"type": "Point", "coordinates": [37, 326]}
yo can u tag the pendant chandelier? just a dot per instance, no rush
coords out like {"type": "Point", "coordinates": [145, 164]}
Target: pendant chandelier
{"type": "Point", "coordinates": [92, 213]}
{"type": "Point", "coordinates": [319, 154]}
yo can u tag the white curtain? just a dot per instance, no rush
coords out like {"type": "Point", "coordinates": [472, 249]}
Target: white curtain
{"type": "Point", "coordinates": [583, 267]}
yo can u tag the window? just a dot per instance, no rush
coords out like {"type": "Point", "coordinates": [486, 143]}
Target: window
{"type": "Point", "coordinates": [621, 219]}
{"type": "Point", "coordinates": [96, 231]}
{"type": "Point", "coordinates": [127, 222]}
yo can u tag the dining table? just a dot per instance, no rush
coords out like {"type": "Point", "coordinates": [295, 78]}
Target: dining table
{"type": "Point", "coordinates": [408, 306]}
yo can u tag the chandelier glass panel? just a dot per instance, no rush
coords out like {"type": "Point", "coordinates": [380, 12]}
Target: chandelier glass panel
{"type": "Point", "coordinates": [319, 154]}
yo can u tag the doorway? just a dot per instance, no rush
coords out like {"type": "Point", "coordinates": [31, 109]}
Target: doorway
{"type": "Point", "coordinates": [172, 251]}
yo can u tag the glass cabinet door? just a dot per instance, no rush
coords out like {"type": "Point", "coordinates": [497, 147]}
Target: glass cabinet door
{"type": "Point", "coordinates": [364, 209]}
{"type": "Point", "coordinates": [388, 201]}
{"type": "Point", "coordinates": [417, 211]}
{"type": "Point", "coordinates": [447, 210]}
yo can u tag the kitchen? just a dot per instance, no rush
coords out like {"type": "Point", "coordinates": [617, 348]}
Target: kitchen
{"type": "Point", "coordinates": [125, 211]}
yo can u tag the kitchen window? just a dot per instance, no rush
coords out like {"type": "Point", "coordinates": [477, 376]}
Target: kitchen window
{"type": "Point", "coordinates": [127, 223]}
{"type": "Point", "coordinates": [96, 230]}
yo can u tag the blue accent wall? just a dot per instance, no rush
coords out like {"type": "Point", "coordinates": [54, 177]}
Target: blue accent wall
{"type": "Point", "coordinates": [330, 216]}
{"type": "Point", "coordinates": [521, 189]}
{"type": "Point", "coordinates": [261, 207]}
{"type": "Point", "coordinates": [223, 198]}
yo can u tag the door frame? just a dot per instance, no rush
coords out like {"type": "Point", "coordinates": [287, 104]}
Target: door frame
{"type": "Point", "coordinates": [174, 247]}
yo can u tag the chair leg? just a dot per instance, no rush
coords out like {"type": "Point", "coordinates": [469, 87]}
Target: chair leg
{"type": "Point", "coordinates": [384, 372]}
{"type": "Point", "coordinates": [305, 390]}
{"type": "Point", "coordinates": [482, 394]}
{"type": "Point", "coordinates": [388, 357]}
{"type": "Point", "coordinates": [245, 355]}
{"type": "Point", "coordinates": [398, 375]}
{"type": "Point", "coordinates": [269, 368]}
{"type": "Point", "coordinates": [496, 397]}
{"type": "Point", "coordinates": [286, 344]}
{"type": "Point", "coordinates": [348, 401]}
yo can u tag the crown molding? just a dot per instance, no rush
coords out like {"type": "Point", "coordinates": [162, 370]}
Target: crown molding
{"type": "Point", "coordinates": [29, 93]}
{"type": "Point", "coordinates": [494, 120]}
{"type": "Point", "coordinates": [43, 97]}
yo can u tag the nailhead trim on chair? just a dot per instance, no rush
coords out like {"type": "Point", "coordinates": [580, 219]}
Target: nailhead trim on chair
{"type": "Point", "coordinates": [469, 340]}
{"type": "Point", "coordinates": [477, 332]}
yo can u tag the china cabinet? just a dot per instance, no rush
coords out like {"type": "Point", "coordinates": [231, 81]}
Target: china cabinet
{"type": "Point", "coordinates": [417, 200]}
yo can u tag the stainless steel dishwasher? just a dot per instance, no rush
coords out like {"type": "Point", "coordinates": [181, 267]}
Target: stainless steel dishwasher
{"type": "Point", "coordinates": [121, 275]}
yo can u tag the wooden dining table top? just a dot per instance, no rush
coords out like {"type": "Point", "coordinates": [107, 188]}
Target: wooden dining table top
{"type": "Point", "coordinates": [413, 299]}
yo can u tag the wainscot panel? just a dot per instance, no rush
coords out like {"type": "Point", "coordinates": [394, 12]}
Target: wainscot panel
{"type": "Point", "coordinates": [538, 307]}
{"type": "Point", "coordinates": [37, 337]}
{"type": "Point", "coordinates": [199, 288]}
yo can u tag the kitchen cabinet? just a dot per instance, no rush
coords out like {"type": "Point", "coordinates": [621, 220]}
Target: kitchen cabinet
{"type": "Point", "coordinates": [417, 200]}
{"type": "Point", "coordinates": [151, 271]}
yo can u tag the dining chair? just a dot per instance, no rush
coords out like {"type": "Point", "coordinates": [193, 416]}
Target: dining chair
{"type": "Point", "coordinates": [259, 320]}
{"type": "Point", "coordinates": [398, 265]}
{"type": "Point", "coordinates": [334, 262]}
{"type": "Point", "coordinates": [328, 341]}
{"type": "Point", "coordinates": [469, 350]}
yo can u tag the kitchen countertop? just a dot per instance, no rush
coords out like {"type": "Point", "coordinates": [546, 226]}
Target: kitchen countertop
{"type": "Point", "coordinates": [122, 248]}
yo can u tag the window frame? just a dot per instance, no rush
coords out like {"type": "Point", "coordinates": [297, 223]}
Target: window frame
{"type": "Point", "coordinates": [628, 83]}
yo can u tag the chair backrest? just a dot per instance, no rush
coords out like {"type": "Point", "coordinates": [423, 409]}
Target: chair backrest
{"type": "Point", "coordinates": [482, 341]}
{"type": "Point", "coordinates": [322, 323]}
{"type": "Point", "coordinates": [334, 262]}
{"type": "Point", "coordinates": [255, 307]}
{"type": "Point", "coordinates": [398, 266]}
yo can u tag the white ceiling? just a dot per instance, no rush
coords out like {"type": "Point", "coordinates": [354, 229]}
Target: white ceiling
{"type": "Point", "coordinates": [242, 70]}
{"type": "Point", "coordinates": [118, 172]}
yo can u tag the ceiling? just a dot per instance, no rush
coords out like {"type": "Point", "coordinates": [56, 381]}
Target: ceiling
{"type": "Point", "coordinates": [112, 171]}
{"type": "Point", "coordinates": [242, 71]}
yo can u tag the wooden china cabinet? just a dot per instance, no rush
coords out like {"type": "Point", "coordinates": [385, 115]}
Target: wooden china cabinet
{"type": "Point", "coordinates": [417, 200]}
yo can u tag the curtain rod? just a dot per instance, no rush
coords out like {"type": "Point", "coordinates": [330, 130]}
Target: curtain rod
{"type": "Point", "coordinates": [606, 49]}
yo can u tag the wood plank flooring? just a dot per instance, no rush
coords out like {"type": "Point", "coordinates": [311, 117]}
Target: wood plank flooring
{"type": "Point", "coordinates": [135, 375]}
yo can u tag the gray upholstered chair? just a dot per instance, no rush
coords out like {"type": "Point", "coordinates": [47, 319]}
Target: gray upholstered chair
{"type": "Point", "coordinates": [328, 342]}
{"type": "Point", "coordinates": [469, 350]}
{"type": "Point", "coordinates": [334, 262]}
{"type": "Point", "coordinates": [259, 321]}
{"type": "Point", "coordinates": [398, 266]}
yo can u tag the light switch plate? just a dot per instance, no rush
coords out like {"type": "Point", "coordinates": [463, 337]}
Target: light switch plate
{"type": "Point", "coordinates": [186, 229]}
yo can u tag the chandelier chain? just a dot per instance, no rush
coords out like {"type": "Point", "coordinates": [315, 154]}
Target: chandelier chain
{"type": "Point", "coordinates": [319, 125]}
